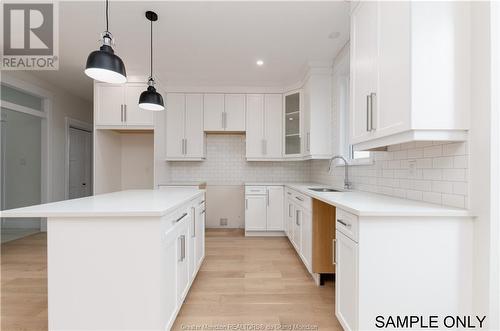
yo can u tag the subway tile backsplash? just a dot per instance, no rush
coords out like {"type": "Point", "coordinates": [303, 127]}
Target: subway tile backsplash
{"type": "Point", "coordinates": [434, 172]}
{"type": "Point", "coordinates": [226, 164]}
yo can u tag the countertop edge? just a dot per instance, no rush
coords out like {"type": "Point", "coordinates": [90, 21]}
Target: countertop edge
{"type": "Point", "coordinates": [161, 213]}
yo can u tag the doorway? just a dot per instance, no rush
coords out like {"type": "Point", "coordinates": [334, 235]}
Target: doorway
{"type": "Point", "coordinates": [78, 159]}
{"type": "Point", "coordinates": [22, 158]}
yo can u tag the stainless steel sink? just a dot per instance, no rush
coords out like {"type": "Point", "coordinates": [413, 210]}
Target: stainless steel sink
{"type": "Point", "coordinates": [322, 189]}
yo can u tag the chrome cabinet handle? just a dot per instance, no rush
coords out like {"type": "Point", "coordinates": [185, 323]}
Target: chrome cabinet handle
{"type": "Point", "coordinates": [180, 218]}
{"type": "Point", "coordinates": [373, 97]}
{"type": "Point", "coordinates": [121, 112]}
{"type": "Point", "coordinates": [297, 217]}
{"type": "Point", "coordinates": [203, 211]}
{"type": "Point", "coordinates": [289, 210]}
{"type": "Point", "coordinates": [125, 112]}
{"type": "Point", "coordinates": [334, 250]}
{"type": "Point", "coordinates": [246, 203]}
{"type": "Point", "coordinates": [299, 198]}
{"type": "Point", "coordinates": [183, 249]}
{"type": "Point", "coordinates": [202, 201]}
{"type": "Point", "coordinates": [368, 113]}
{"type": "Point", "coordinates": [344, 223]}
{"type": "Point", "coordinates": [193, 210]}
{"type": "Point", "coordinates": [179, 239]}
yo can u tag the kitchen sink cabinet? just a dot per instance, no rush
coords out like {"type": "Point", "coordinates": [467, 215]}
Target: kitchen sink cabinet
{"type": "Point", "coordinates": [377, 261]}
{"type": "Point", "coordinates": [346, 281]}
{"type": "Point", "coordinates": [402, 73]}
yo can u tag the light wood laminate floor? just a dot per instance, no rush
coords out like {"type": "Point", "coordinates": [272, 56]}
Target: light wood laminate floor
{"type": "Point", "coordinates": [256, 281]}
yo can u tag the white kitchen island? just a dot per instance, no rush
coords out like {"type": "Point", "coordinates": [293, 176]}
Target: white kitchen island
{"type": "Point", "coordinates": [122, 260]}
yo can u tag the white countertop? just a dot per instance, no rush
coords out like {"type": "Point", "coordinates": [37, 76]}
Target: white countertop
{"type": "Point", "coordinates": [371, 204]}
{"type": "Point", "coordinates": [128, 203]}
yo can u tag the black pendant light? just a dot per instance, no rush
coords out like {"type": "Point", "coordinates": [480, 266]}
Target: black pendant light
{"type": "Point", "coordinates": [104, 65]}
{"type": "Point", "coordinates": [150, 99]}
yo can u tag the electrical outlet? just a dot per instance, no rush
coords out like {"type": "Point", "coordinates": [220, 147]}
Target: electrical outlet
{"type": "Point", "coordinates": [223, 222]}
{"type": "Point", "coordinates": [412, 168]}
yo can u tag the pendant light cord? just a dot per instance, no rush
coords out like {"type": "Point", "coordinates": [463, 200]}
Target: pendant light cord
{"type": "Point", "coordinates": [107, 16]}
{"type": "Point", "coordinates": [151, 69]}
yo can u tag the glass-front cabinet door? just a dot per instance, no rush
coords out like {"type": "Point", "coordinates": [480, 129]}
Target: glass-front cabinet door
{"type": "Point", "coordinates": [292, 124]}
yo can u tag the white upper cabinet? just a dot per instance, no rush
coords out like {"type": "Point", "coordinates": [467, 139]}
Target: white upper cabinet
{"type": "Point", "coordinates": [317, 114]}
{"type": "Point", "coordinates": [133, 114]}
{"type": "Point", "coordinates": [293, 124]}
{"type": "Point", "coordinates": [185, 139]}
{"type": "Point", "coordinates": [406, 83]}
{"type": "Point", "coordinates": [273, 123]}
{"type": "Point", "coordinates": [255, 126]}
{"type": "Point", "coordinates": [264, 113]}
{"type": "Point", "coordinates": [213, 110]}
{"type": "Point", "coordinates": [116, 106]}
{"type": "Point", "coordinates": [234, 108]}
{"type": "Point", "coordinates": [224, 112]}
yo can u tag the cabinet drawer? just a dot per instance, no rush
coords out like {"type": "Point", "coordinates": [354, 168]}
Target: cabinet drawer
{"type": "Point", "coordinates": [255, 189]}
{"type": "Point", "coordinates": [347, 223]}
{"type": "Point", "coordinates": [302, 200]}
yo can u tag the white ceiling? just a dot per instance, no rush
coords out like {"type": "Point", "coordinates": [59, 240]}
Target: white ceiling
{"type": "Point", "coordinates": [203, 43]}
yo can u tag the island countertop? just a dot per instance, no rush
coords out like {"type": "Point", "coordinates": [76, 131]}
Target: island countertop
{"type": "Point", "coordinates": [129, 203]}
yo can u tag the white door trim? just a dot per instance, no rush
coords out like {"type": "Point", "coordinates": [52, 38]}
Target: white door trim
{"type": "Point", "coordinates": [46, 163]}
{"type": "Point", "coordinates": [74, 123]}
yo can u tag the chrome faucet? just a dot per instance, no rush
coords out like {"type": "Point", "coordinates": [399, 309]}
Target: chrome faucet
{"type": "Point", "coordinates": [347, 185]}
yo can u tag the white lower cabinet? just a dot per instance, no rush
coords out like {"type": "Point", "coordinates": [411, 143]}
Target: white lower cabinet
{"type": "Point", "coordinates": [183, 242]}
{"type": "Point", "coordinates": [379, 271]}
{"type": "Point", "coordinates": [169, 255]}
{"type": "Point", "coordinates": [200, 233]}
{"type": "Point", "coordinates": [306, 239]}
{"type": "Point", "coordinates": [184, 250]}
{"type": "Point", "coordinates": [346, 286]}
{"type": "Point", "coordinates": [299, 225]}
{"type": "Point", "coordinates": [263, 209]}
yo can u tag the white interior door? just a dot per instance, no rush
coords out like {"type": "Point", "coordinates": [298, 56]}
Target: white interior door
{"type": "Point", "coordinates": [80, 159]}
{"type": "Point", "coordinates": [255, 126]}
{"type": "Point", "coordinates": [273, 125]}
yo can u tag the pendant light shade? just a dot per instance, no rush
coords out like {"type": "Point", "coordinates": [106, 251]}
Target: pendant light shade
{"type": "Point", "coordinates": [150, 99]}
{"type": "Point", "coordinates": [104, 65]}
